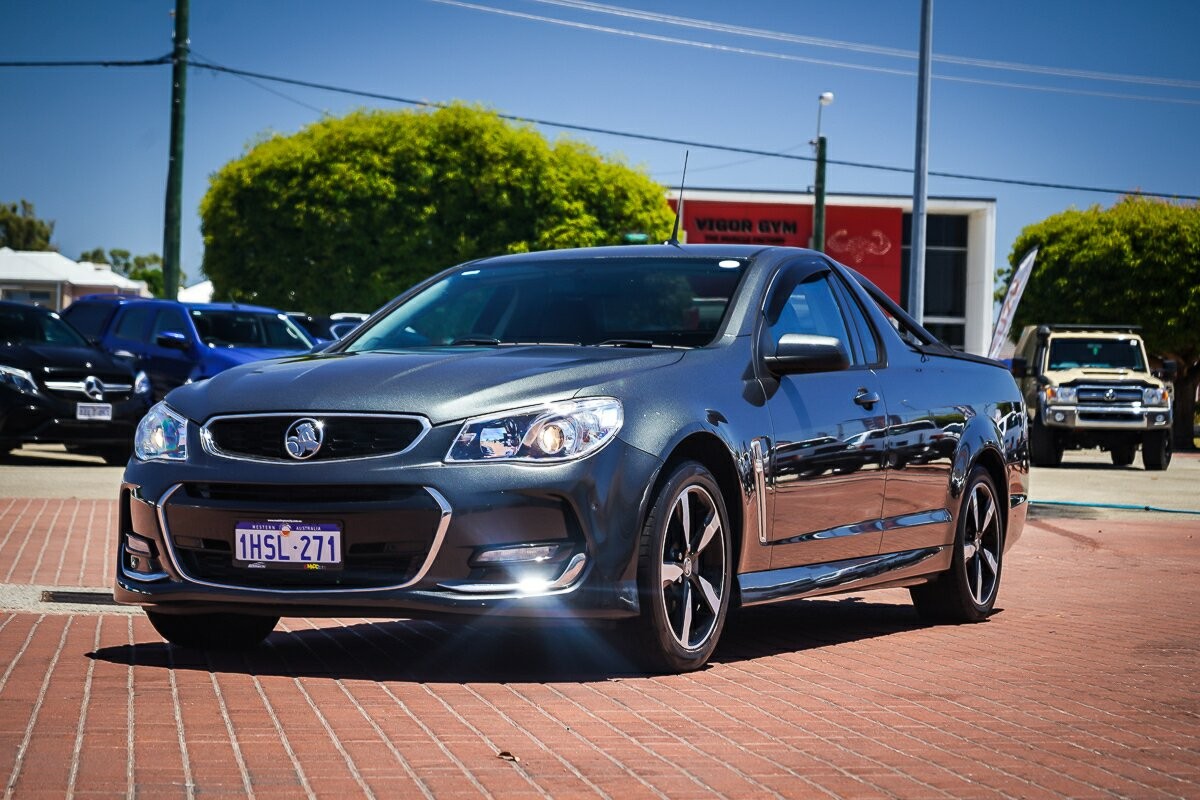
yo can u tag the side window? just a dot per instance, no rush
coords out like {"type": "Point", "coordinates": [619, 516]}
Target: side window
{"type": "Point", "coordinates": [89, 318]}
{"type": "Point", "coordinates": [168, 319]}
{"type": "Point", "coordinates": [132, 324]}
{"type": "Point", "coordinates": [867, 338]}
{"type": "Point", "coordinates": [812, 308]}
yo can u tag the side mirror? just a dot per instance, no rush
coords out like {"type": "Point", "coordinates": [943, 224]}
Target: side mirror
{"type": "Point", "coordinates": [1169, 369]}
{"type": "Point", "coordinates": [802, 352]}
{"type": "Point", "coordinates": [173, 340]}
{"type": "Point", "coordinates": [1020, 367]}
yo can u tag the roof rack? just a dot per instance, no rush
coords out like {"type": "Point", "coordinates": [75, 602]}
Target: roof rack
{"type": "Point", "coordinates": [1044, 329]}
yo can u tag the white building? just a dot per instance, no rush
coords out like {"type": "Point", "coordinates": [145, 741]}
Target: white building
{"type": "Point", "coordinates": [51, 279]}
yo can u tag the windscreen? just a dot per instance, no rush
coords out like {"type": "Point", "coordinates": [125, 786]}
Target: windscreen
{"type": "Point", "coordinates": [232, 328]}
{"type": "Point", "coordinates": [30, 326]}
{"type": "Point", "coordinates": [1096, 353]}
{"type": "Point", "coordinates": [671, 302]}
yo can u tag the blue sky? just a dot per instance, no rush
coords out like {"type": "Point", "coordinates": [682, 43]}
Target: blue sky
{"type": "Point", "coordinates": [88, 146]}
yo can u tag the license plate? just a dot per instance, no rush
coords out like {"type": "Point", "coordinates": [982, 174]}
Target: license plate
{"type": "Point", "coordinates": [287, 543]}
{"type": "Point", "coordinates": [97, 411]}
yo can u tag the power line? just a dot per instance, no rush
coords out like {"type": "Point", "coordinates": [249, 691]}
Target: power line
{"type": "Point", "coordinates": [146, 62]}
{"type": "Point", "coordinates": [686, 142]}
{"type": "Point", "coordinates": [747, 51]}
{"type": "Point", "coordinates": [815, 41]}
{"type": "Point", "coordinates": [207, 65]}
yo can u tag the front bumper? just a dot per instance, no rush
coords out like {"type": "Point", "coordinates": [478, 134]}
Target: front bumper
{"type": "Point", "coordinates": [45, 418]}
{"type": "Point", "coordinates": [1108, 417]}
{"type": "Point", "coordinates": [412, 533]}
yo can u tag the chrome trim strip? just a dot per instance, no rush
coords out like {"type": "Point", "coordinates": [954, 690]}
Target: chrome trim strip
{"type": "Point", "coordinates": [434, 548]}
{"type": "Point", "coordinates": [936, 516]}
{"type": "Point", "coordinates": [210, 447]}
{"type": "Point", "coordinates": [141, 577]}
{"type": "Point", "coordinates": [760, 487]}
{"type": "Point", "coordinates": [780, 584]}
{"type": "Point", "coordinates": [77, 386]}
{"type": "Point", "coordinates": [572, 571]}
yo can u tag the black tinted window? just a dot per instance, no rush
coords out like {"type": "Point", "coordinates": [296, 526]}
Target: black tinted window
{"type": "Point", "coordinates": [89, 318]}
{"type": "Point", "coordinates": [131, 324]}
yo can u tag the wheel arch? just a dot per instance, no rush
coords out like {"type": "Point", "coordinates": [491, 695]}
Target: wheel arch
{"type": "Point", "coordinates": [711, 452]}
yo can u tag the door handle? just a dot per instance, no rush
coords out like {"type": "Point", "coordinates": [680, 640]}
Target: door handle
{"type": "Point", "coordinates": [866, 399]}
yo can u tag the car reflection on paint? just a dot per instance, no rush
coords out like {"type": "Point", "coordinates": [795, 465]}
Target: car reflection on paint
{"type": "Point", "coordinates": [635, 437]}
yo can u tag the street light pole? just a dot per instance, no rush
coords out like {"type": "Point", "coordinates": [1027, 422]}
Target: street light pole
{"type": "Point", "coordinates": [818, 237]}
{"type": "Point", "coordinates": [916, 260]}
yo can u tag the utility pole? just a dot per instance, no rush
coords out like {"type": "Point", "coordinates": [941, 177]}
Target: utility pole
{"type": "Point", "coordinates": [916, 261]}
{"type": "Point", "coordinates": [171, 222]}
{"type": "Point", "coordinates": [818, 237]}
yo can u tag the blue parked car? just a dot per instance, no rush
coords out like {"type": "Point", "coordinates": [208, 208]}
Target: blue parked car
{"type": "Point", "coordinates": [176, 343]}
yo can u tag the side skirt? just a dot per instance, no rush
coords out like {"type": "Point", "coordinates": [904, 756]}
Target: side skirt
{"type": "Point", "coordinates": [811, 580]}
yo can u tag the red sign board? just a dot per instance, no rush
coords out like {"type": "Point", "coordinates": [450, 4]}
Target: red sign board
{"type": "Point", "coordinates": [866, 238]}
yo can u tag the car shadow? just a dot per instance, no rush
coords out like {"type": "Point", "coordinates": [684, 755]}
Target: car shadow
{"type": "Point", "coordinates": [430, 652]}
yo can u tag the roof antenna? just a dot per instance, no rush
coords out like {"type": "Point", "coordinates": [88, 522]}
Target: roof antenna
{"type": "Point", "coordinates": [674, 240]}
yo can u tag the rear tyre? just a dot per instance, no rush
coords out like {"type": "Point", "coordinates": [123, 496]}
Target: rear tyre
{"type": "Point", "coordinates": [1122, 454]}
{"type": "Point", "coordinates": [1156, 450]}
{"type": "Point", "coordinates": [685, 567]}
{"type": "Point", "coordinates": [1044, 450]}
{"type": "Point", "coordinates": [212, 631]}
{"type": "Point", "coordinates": [967, 591]}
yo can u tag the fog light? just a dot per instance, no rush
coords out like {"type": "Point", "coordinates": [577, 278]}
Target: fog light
{"type": "Point", "coordinates": [1059, 416]}
{"type": "Point", "coordinates": [136, 544]}
{"type": "Point", "coordinates": [1159, 419]}
{"type": "Point", "coordinates": [519, 554]}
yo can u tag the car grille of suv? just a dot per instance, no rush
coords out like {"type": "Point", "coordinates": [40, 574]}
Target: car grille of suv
{"type": "Point", "coordinates": [1099, 395]}
{"type": "Point", "coordinates": [263, 437]}
{"type": "Point", "coordinates": [70, 383]}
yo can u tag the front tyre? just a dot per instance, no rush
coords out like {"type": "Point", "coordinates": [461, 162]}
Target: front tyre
{"type": "Point", "coordinates": [685, 569]}
{"type": "Point", "coordinates": [212, 631]}
{"type": "Point", "coordinates": [1156, 450]}
{"type": "Point", "coordinates": [1044, 448]}
{"type": "Point", "coordinates": [967, 591]}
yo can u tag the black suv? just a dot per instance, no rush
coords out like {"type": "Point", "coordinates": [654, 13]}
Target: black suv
{"type": "Point", "coordinates": [56, 388]}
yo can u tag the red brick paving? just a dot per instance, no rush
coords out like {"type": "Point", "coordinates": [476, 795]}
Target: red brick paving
{"type": "Point", "coordinates": [1084, 685]}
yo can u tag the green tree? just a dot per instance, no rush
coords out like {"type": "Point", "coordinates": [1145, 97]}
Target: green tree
{"type": "Point", "coordinates": [1135, 263]}
{"type": "Point", "coordinates": [146, 268]}
{"type": "Point", "coordinates": [20, 228]}
{"type": "Point", "coordinates": [349, 212]}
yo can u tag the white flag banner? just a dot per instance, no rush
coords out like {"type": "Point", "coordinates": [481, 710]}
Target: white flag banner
{"type": "Point", "coordinates": [1004, 321]}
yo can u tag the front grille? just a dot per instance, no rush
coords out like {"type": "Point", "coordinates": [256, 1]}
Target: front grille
{"type": "Point", "coordinates": [69, 383]}
{"type": "Point", "coordinates": [1099, 395]}
{"type": "Point", "coordinates": [366, 565]}
{"type": "Point", "coordinates": [345, 436]}
{"type": "Point", "coordinates": [387, 532]}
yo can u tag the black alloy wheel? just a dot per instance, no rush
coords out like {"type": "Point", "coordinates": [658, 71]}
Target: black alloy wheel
{"type": "Point", "coordinates": [212, 631]}
{"type": "Point", "coordinates": [967, 591]}
{"type": "Point", "coordinates": [685, 571]}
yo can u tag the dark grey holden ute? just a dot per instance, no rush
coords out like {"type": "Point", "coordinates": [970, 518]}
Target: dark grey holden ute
{"type": "Point", "coordinates": [637, 437]}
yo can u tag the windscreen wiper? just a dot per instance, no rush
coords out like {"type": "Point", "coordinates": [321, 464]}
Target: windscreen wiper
{"type": "Point", "coordinates": [627, 343]}
{"type": "Point", "coordinates": [481, 341]}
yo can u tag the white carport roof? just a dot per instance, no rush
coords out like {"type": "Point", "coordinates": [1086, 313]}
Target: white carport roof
{"type": "Point", "coordinates": [28, 266]}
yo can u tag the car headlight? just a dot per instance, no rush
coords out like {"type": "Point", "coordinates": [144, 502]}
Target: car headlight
{"type": "Point", "coordinates": [1156, 397]}
{"type": "Point", "coordinates": [161, 434]}
{"type": "Point", "coordinates": [1061, 394]}
{"type": "Point", "coordinates": [555, 432]}
{"type": "Point", "coordinates": [141, 384]}
{"type": "Point", "coordinates": [19, 379]}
